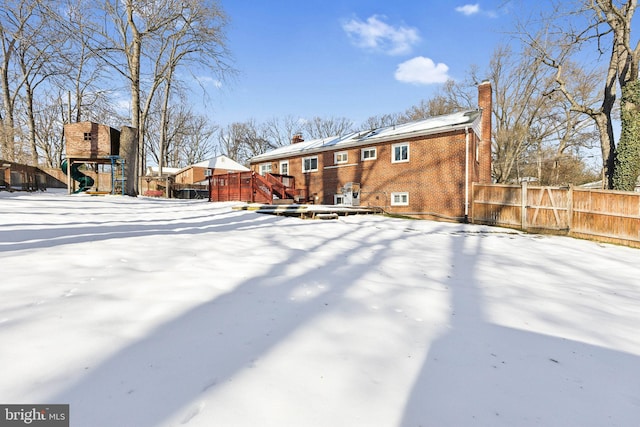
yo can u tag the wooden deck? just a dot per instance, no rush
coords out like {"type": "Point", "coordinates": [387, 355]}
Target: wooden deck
{"type": "Point", "coordinates": [307, 211]}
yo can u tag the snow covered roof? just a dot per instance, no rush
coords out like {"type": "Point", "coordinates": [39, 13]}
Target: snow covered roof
{"type": "Point", "coordinates": [222, 162]}
{"type": "Point", "coordinates": [153, 170]}
{"type": "Point", "coordinates": [430, 126]}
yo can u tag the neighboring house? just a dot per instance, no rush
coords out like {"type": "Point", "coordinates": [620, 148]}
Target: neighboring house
{"type": "Point", "coordinates": [198, 173]}
{"type": "Point", "coordinates": [154, 171]}
{"type": "Point", "coordinates": [423, 168]}
{"type": "Point", "coordinates": [598, 185]}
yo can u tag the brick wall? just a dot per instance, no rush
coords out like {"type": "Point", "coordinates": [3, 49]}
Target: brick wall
{"type": "Point", "coordinates": [434, 176]}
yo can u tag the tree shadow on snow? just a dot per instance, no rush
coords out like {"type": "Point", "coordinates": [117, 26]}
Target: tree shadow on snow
{"type": "Point", "coordinates": [171, 368]}
{"type": "Point", "coordinates": [484, 374]}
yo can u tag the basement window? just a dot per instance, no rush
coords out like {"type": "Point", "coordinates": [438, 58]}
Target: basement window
{"type": "Point", "coordinates": [400, 199]}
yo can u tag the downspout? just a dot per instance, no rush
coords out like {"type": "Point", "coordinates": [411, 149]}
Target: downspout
{"type": "Point", "coordinates": [466, 174]}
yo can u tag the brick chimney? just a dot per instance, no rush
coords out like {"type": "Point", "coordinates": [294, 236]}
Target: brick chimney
{"type": "Point", "coordinates": [297, 138]}
{"type": "Point", "coordinates": [484, 103]}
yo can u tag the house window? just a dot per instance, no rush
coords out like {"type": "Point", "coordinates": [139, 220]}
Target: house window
{"type": "Point", "coordinates": [368, 154]}
{"type": "Point", "coordinates": [400, 199]}
{"type": "Point", "coordinates": [400, 153]}
{"type": "Point", "coordinates": [310, 164]}
{"type": "Point", "coordinates": [265, 168]}
{"type": "Point", "coordinates": [284, 167]}
{"type": "Point", "coordinates": [87, 136]}
{"type": "Point", "coordinates": [341, 157]}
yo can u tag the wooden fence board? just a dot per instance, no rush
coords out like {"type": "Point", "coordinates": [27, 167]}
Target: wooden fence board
{"type": "Point", "coordinates": [604, 215]}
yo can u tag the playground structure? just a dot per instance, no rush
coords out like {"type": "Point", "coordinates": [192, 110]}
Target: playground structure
{"type": "Point", "coordinates": [91, 149]}
{"type": "Point", "coordinates": [84, 181]}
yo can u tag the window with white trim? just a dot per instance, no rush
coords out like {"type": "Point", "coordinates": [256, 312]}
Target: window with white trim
{"type": "Point", "coordinates": [400, 199]}
{"type": "Point", "coordinates": [284, 167]}
{"type": "Point", "coordinates": [265, 168]}
{"type": "Point", "coordinates": [338, 199]}
{"type": "Point", "coordinates": [310, 164]}
{"type": "Point", "coordinates": [340, 157]}
{"type": "Point", "coordinates": [368, 154]}
{"type": "Point", "coordinates": [400, 153]}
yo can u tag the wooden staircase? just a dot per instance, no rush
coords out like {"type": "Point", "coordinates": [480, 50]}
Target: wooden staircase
{"type": "Point", "coordinates": [255, 188]}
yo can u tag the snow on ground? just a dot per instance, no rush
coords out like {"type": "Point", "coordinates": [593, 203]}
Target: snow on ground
{"type": "Point", "coordinates": [142, 312]}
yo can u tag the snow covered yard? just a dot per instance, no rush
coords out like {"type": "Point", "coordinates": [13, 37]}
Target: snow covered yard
{"type": "Point", "coordinates": [144, 312]}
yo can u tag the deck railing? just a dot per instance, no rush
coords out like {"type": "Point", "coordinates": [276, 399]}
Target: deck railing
{"type": "Point", "coordinates": [254, 188]}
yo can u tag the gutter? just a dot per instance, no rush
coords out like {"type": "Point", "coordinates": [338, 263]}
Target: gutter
{"type": "Point", "coordinates": [466, 174]}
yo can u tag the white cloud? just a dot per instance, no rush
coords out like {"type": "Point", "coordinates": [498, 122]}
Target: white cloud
{"type": "Point", "coordinates": [421, 70]}
{"type": "Point", "coordinates": [208, 81]}
{"type": "Point", "coordinates": [469, 9]}
{"type": "Point", "coordinates": [377, 35]}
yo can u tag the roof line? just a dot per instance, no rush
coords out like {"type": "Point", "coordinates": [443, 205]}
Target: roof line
{"type": "Point", "coordinates": [361, 138]}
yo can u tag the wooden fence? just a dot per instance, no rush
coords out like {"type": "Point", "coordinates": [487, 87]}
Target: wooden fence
{"type": "Point", "coordinates": [603, 215]}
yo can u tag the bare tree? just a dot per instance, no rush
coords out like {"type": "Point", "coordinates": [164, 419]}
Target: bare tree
{"type": "Point", "coordinates": [146, 41]}
{"type": "Point", "coordinates": [16, 18]}
{"type": "Point", "coordinates": [196, 143]}
{"type": "Point", "coordinates": [384, 120]}
{"type": "Point", "coordinates": [241, 141]}
{"type": "Point", "coordinates": [280, 131]}
{"type": "Point", "coordinates": [188, 138]}
{"type": "Point", "coordinates": [522, 111]}
{"type": "Point", "coordinates": [319, 127]}
{"type": "Point", "coordinates": [605, 26]}
{"type": "Point", "coordinates": [49, 137]}
{"type": "Point", "coordinates": [83, 70]}
{"type": "Point", "coordinates": [38, 61]}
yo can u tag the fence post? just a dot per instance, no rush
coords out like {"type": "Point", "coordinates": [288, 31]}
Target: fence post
{"type": "Point", "coordinates": [570, 208]}
{"type": "Point", "coordinates": [473, 199]}
{"type": "Point", "coordinates": [523, 206]}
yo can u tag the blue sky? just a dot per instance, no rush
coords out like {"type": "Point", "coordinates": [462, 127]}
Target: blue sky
{"type": "Point", "coordinates": [352, 58]}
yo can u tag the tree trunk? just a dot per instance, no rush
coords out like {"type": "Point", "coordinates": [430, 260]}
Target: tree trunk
{"type": "Point", "coordinates": [129, 152]}
{"type": "Point", "coordinates": [7, 132]}
{"type": "Point", "coordinates": [164, 123]}
{"type": "Point", "coordinates": [607, 148]}
{"type": "Point", "coordinates": [627, 159]}
{"type": "Point", "coordinates": [133, 56]}
{"type": "Point", "coordinates": [31, 122]}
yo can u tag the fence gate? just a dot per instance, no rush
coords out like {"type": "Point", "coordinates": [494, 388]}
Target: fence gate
{"type": "Point", "coordinates": [521, 206]}
{"type": "Point", "coordinates": [546, 208]}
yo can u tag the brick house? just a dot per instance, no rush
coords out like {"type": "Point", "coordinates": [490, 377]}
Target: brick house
{"type": "Point", "coordinates": [423, 168]}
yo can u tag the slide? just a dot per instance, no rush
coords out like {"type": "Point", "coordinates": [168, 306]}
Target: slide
{"type": "Point", "coordinates": [84, 182]}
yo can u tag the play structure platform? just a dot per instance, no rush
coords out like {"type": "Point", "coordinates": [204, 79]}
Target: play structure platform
{"type": "Point", "coordinates": [91, 149]}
